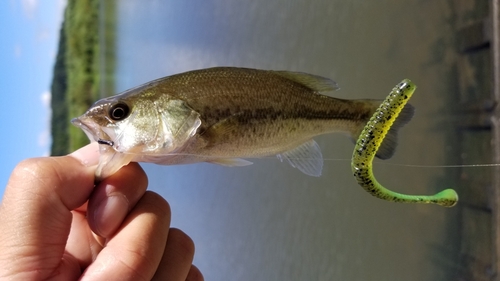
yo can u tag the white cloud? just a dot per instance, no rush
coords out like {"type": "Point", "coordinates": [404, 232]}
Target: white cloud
{"type": "Point", "coordinates": [44, 137]}
{"type": "Point", "coordinates": [29, 7]}
{"type": "Point", "coordinates": [61, 6]}
{"type": "Point", "coordinates": [45, 97]}
{"type": "Point", "coordinates": [42, 35]}
{"type": "Point", "coordinates": [44, 140]}
{"type": "Point", "coordinates": [18, 51]}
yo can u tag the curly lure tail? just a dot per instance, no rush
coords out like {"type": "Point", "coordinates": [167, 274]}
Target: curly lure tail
{"type": "Point", "coordinates": [370, 140]}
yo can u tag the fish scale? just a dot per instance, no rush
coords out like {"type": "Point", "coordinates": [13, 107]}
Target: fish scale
{"type": "Point", "coordinates": [222, 114]}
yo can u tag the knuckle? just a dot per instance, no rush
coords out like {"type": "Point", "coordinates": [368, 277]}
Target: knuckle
{"type": "Point", "coordinates": [157, 202]}
{"type": "Point", "coordinates": [34, 170]}
{"type": "Point", "coordinates": [27, 168]}
{"type": "Point", "coordinates": [183, 241]}
{"type": "Point", "coordinates": [194, 274]}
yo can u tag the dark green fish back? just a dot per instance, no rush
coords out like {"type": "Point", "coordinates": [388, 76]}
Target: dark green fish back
{"type": "Point", "coordinates": [221, 114]}
{"type": "Point", "coordinates": [218, 93]}
{"type": "Point", "coordinates": [249, 112]}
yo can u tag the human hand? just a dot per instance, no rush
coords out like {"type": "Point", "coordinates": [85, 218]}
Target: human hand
{"type": "Point", "coordinates": [55, 225]}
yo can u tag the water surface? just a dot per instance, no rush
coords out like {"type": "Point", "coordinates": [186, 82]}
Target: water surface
{"type": "Point", "coordinates": [269, 221]}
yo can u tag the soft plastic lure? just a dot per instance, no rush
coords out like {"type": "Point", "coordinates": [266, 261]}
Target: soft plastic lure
{"type": "Point", "coordinates": [370, 140]}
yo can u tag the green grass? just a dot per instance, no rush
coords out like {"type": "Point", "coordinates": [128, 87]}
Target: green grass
{"type": "Point", "coordinates": [84, 70]}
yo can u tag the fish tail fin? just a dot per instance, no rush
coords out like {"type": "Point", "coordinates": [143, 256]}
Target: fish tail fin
{"type": "Point", "coordinates": [388, 146]}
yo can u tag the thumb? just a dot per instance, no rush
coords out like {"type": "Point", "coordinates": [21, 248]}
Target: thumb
{"type": "Point", "coordinates": [35, 213]}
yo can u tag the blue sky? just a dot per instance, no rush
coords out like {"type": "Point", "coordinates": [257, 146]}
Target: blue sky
{"type": "Point", "coordinates": [30, 32]}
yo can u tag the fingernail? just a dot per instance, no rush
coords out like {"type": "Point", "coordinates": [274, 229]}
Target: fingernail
{"type": "Point", "coordinates": [110, 213]}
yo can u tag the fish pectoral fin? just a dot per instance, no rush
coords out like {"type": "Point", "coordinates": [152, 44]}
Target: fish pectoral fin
{"type": "Point", "coordinates": [178, 123]}
{"type": "Point", "coordinates": [313, 82]}
{"type": "Point", "coordinates": [230, 162]}
{"type": "Point", "coordinates": [306, 157]}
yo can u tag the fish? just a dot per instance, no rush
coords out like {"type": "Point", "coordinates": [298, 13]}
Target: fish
{"type": "Point", "coordinates": [224, 115]}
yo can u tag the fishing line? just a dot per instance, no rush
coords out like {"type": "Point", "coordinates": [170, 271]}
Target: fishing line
{"type": "Point", "coordinates": [379, 162]}
{"type": "Point", "coordinates": [440, 166]}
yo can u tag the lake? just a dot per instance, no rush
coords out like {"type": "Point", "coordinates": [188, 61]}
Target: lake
{"type": "Point", "coordinates": [268, 221]}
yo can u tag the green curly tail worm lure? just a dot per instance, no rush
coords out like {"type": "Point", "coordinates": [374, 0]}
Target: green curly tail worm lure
{"type": "Point", "coordinates": [370, 140]}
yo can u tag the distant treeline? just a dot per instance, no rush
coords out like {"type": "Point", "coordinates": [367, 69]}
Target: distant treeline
{"type": "Point", "coordinates": [84, 68]}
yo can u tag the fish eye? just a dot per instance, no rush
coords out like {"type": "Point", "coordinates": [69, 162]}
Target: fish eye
{"type": "Point", "coordinates": [119, 111]}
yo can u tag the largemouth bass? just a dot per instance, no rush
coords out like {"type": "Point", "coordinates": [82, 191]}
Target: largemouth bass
{"type": "Point", "coordinates": [220, 115]}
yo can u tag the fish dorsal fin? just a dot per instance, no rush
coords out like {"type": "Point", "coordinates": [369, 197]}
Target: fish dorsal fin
{"type": "Point", "coordinates": [230, 162]}
{"type": "Point", "coordinates": [314, 82]}
{"type": "Point", "coordinates": [390, 142]}
{"type": "Point", "coordinates": [306, 157]}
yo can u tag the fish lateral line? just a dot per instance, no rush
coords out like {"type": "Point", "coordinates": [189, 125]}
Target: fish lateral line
{"type": "Point", "coordinates": [370, 140]}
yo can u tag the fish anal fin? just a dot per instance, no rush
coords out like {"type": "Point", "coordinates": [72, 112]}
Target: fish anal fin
{"type": "Point", "coordinates": [314, 82]}
{"type": "Point", "coordinates": [230, 162]}
{"type": "Point", "coordinates": [306, 157]}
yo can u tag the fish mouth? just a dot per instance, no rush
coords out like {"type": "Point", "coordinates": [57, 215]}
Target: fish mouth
{"type": "Point", "coordinates": [92, 130]}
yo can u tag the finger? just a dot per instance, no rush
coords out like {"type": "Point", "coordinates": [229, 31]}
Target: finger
{"type": "Point", "coordinates": [35, 214]}
{"type": "Point", "coordinates": [82, 244]}
{"type": "Point", "coordinates": [135, 251]}
{"type": "Point", "coordinates": [177, 258]}
{"type": "Point", "coordinates": [114, 197]}
{"type": "Point", "coordinates": [110, 202]}
{"type": "Point", "coordinates": [87, 155]}
{"type": "Point", "coordinates": [194, 274]}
